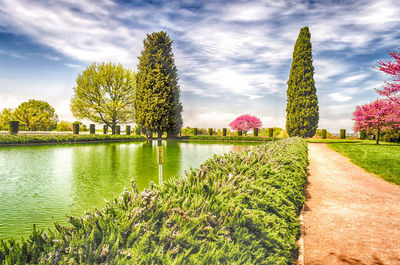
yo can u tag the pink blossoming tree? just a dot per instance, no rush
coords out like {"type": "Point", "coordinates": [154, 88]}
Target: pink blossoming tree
{"type": "Point", "coordinates": [382, 114]}
{"type": "Point", "coordinates": [245, 122]}
{"type": "Point", "coordinates": [376, 116]}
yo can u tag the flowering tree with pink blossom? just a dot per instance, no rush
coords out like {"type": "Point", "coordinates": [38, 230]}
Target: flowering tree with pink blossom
{"type": "Point", "coordinates": [245, 122]}
{"type": "Point", "coordinates": [377, 116]}
{"type": "Point", "coordinates": [391, 90]}
{"type": "Point", "coordinates": [382, 114]}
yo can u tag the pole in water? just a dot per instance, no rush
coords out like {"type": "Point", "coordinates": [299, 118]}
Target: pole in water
{"type": "Point", "coordinates": [160, 160]}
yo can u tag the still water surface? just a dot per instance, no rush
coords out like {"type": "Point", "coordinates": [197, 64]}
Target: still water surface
{"type": "Point", "coordinates": [39, 184]}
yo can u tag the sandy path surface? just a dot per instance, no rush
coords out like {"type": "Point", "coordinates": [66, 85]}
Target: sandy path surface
{"type": "Point", "coordinates": [351, 216]}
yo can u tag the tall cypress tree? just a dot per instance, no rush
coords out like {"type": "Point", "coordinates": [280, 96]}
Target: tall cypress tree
{"type": "Point", "coordinates": [302, 102]}
{"type": "Point", "coordinates": [157, 101]}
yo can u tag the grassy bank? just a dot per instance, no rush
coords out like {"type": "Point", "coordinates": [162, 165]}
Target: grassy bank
{"type": "Point", "coordinates": [230, 138]}
{"type": "Point", "coordinates": [239, 208]}
{"type": "Point", "coordinates": [40, 139]}
{"type": "Point", "coordinates": [383, 159]}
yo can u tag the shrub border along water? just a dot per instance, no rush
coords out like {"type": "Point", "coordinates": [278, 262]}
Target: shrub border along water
{"type": "Point", "coordinates": [230, 138]}
{"type": "Point", "coordinates": [238, 208]}
{"type": "Point", "coordinates": [6, 140]}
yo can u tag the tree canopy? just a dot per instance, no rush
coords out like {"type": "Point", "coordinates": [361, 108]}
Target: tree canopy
{"type": "Point", "coordinates": [302, 102]}
{"type": "Point", "coordinates": [5, 117]}
{"type": "Point", "coordinates": [245, 122]}
{"type": "Point", "coordinates": [157, 100]}
{"type": "Point", "coordinates": [35, 115]}
{"type": "Point", "coordinates": [104, 93]}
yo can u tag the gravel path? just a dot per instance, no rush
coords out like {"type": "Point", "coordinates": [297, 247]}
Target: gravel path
{"type": "Point", "coordinates": [351, 216]}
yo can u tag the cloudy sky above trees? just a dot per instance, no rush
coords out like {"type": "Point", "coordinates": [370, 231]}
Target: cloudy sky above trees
{"type": "Point", "coordinates": [233, 57]}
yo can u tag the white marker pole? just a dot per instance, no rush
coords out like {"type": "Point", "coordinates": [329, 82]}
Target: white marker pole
{"type": "Point", "coordinates": [160, 160]}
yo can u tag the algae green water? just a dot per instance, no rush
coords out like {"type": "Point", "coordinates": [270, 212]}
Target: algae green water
{"type": "Point", "coordinates": [43, 184]}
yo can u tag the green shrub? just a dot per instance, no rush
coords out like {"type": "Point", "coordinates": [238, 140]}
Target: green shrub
{"type": "Point", "coordinates": [195, 131]}
{"type": "Point", "coordinates": [13, 127]}
{"type": "Point", "coordinates": [92, 128]}
{"type": "Point", "coordinates": [342, 133]}
{"type": "Point", "coordinates": [75, 128]}
{"type": "Point", "coordinates": [270, 132]}
{"type": "Point", "coordinates": [223, 131]}
{"type": "Point", "coordinates": [210, 131]}
{"type": "Point", "coordinates": [118, 129]}
{"type": "Point", "coordinates": [255, 132]}
{"type": "Point", "coordinates": [363, 135]}
{"type": "Point", "coordinates": [239, 208]}
{"type": "Point", "coordinates": [230, 138]}
{"type": "Point", "coordinates": [240, 132]}
{"type": "Point", "coordinates": [323, 133]}
{"type": "Point", "coordinates": [137, 131]}
{"type": "Point", "coordinates": [128, 130]}
{"type": "Point", "coordinates": [105, 129]}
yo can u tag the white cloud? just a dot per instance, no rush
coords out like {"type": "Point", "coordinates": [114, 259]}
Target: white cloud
{"type": "Point", "coordinates": [340, 97]}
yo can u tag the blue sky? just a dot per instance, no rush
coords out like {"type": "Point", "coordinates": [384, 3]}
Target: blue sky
{"type": "Point", "coordinates": [233, 57]}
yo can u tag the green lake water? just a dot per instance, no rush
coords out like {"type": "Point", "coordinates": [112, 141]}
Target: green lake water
{"type": "Point", "coordinates": [39, 184]}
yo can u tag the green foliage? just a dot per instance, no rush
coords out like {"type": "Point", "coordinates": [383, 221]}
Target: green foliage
{"type": "Point", "coordinates": [239, 208]}
{"type": "Point", "coordinates": [302, 102]}
{"type": "Point", "coordinates": [210, 131]}
{"type": "Point", "coordinates": [137, 131]}
{"type": "Point", "coordinates": [363, 135]}
{"type": "Point", "coordinates": [105, 129]}
{"type": "Point", "coordinates": [320, 133]}
{"type": "Point", "coordinates": [255, 132]}
{"type": "Point", "coordinates": [157, 100]}
{"type": "Point", "coordinates": [64, 126]}
{"type": "Point", "coordinates": [383, 159]}
{"type": "Point", "coordinates": [118, 129]}
{"type": "Point", "coordinates": [270, 132]}
{"type": "Point", "coordinates": [240, 132]}
{"type": "Point", "coordinates": [230, 138]}
{"type": "Point", "coordinates": [390, 135]}
{"type": "Point", "coordinates": [5, 118]}
{"type": "Point", "coordinates": [323, 133]}
{"type": "Point", "coordinates": [128, 130]}
{"type": "Point", "coordinates": [13, 127]}
{"type": "Point", "coordinates": [75, 128]}
{"type": "Point", "coordinates": [92, 128]}
{"type": "Point", "coordinates": [33, 139]}
{"type": "Point", "coordinates": [35, 115]}
{"type": "Point", "coordinates": [342, 133]}
{"type": "Point", "coordinates": [224, 132]}
{"type": "Point", "coordinates": [104, 93]}
{"type": "Point", "coordinates": [195, 131]}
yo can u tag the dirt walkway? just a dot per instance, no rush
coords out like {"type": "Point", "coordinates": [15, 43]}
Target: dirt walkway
{"type": "Point", "coordinates": [351, 216]}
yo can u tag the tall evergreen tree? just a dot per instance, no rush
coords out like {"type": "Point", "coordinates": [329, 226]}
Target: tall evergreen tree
{"type": "Point", "coordinates": [157, 101]}
{"type": "Point", "coordinates": [302, 102]}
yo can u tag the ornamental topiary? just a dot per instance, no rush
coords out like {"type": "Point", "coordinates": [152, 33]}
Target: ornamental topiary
{"type": "Point", "coordinates": [13, 127]}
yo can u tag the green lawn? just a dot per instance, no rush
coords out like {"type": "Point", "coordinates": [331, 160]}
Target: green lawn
{"type": "Point", "coordinates": [383, 159]}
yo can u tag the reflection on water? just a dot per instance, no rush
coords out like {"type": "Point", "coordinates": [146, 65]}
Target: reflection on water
{"type": "Point", "coordinates": [44, 183]}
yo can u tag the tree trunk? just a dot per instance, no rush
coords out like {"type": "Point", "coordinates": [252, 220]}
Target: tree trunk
{"type": "Point", "coordinates": [113, 125]}
{"type": "Point", "coordinates": [377, 136]}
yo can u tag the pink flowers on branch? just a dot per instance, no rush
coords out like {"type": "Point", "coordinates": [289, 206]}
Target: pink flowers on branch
{"type": "Point", "coordinates": [245, 122]}
{"type": "Point", "coordinates": [382, 114]}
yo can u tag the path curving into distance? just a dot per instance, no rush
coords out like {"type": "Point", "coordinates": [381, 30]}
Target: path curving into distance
{"type": "Point", "coordinates": [350, 216]}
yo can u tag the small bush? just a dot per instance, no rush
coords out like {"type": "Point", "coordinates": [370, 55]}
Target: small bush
{"type": "Point", "coordinates": [270, 132]}
{"type": "Point", "coordinates": [195, 131]}
{"type": "Point", "coordinates": [323, 133]}
{"type": "Point", "coordinates": [223, 131]}
{"type": "Point", "coordinates": [118, 129]}
{"type": "Point", "coordinates": [342, 133]}
{"type": "Point", "coordinates": [255, 131]}
{"type": "Point", "coordinates": [137, 131]}
{"type": "Point", "coordinates": [128, 130]}
{"type": "Point", "coordinates": [92, 129]}
{"type": "Point", "coordinates": [75, 128]}
{"type": "Point", "coordinates": [13, 127]}
{"type": "Point", "coordinates": [363, 135]}
{"type": "Point", "coordinates": [210, 131]}
{"type": "Point", "coordinates": [240, 132]}
{"type": "Point", "coordinates": [105, 129]}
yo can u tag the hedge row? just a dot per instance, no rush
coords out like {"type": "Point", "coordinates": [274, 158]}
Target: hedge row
{"type": "Point", "coordinates": [239, 208]}
{"type": "Point", "coordinates": [28, 139]}
{"type": "Point", "coordinates": [230, 138]}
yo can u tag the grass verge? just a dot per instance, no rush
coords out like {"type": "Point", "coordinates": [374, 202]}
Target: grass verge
{"type": "Point", "coordinates": [383, 159]}
{"type": "Point", "coordinates": [36, 139]}
{"type": "Point", "coordinates": [239, 208]}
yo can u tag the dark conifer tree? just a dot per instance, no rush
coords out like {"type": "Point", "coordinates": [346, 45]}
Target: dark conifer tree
{"type": "Point", "coordinates": [302, 102]}
{"type": "Point", "coordinates": [157, 101]}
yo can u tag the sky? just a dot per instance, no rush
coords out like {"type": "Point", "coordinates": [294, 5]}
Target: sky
{"type": "Point", "coordinates": [233, 57]}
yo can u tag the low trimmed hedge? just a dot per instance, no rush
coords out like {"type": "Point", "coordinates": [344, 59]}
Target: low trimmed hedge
{"type": "Point", "coordinates": [239, 208]}
{"type": "Point", "coordinates": [32, 139]}
{"type": "Point", "coordinates": [231, 138]}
